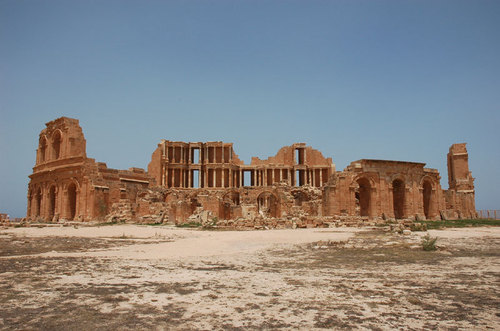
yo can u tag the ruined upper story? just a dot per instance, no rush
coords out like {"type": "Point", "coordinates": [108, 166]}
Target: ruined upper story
{"type": "Point", "coordinates": [60, 143]}
{"type": "Point", "coordinates": [298, 154]}
{"type": "Point", "coordinates": [66, 182]}
{"type": "Point", "coordinates": [220, 153]}
{"type": "Point", "coordinates": [459, 176]}
{"type": "Point", "coordinates": [390, 170]}
{"type": "Point", "coordinates": [62, 147]}
{"type": "Point", "coordinates": [196, 153]}
{"type": "Point", "coordinates": [215, 164]}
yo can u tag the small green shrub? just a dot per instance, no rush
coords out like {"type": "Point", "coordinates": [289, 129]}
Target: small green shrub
{"type": "Point", "coordinates": [429, 243]}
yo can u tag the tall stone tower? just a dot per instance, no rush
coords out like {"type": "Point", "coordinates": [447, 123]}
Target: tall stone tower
{"type": "Point", "coordinates": [55, 184]}
{"type": "Point", "coordinates": [460, 197]}
{"type": "Point", "coordinates": [459, 176]}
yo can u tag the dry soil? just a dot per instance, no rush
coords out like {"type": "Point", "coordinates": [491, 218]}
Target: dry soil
{"type": "Point", "coordinates": [143, 277]}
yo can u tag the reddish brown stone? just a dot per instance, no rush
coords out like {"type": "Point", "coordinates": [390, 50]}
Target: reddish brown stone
{"type": "Point", "coordinates": [65, 184]}
{"type": "Point", "coordinates": [204, 183]}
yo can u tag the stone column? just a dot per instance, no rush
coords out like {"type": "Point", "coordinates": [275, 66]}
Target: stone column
{"type": "Point", "coordinates": [223, 173]}
{"type": "Point", "coordinates": [65, 210]}
{"type": "Point", "coordinates": [78, 206]}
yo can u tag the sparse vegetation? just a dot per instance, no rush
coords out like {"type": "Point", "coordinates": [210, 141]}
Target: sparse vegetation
{"type": "Point", "coordinates": [459, 223]}
{"type": "Point", "coordinates": [188, 225]}
{"type": "Point", "coordinates": [372, 280]}
{"type": "Point", "coordinates": [429, 243]}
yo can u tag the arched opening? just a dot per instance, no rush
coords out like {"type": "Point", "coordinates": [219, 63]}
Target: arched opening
{"type": "Point", "coordinates": [72, 201]}
{"type": "Point", "coordinates": [267, 204]}
{"type": "Point", "coordinates": [52, 202]}
{"type": "Point", "coordinates": [398, 198]}
{"type": "Point", "coordinates": [38, 202]}
{"type": "Point", "coordinates": [56, 145]}
{"type": "Point", "coordinates": [230, 200]}
{"type": "Point", "coordinates": [363, 196]}
{"type": "Point", "coordinates": [427, 196]}
{"type": "Point", "coordinates": [194, 204]}
{"type": "Point", "coordinates": [42, 149]}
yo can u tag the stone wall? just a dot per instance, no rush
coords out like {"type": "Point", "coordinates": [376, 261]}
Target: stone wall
{"type": "Point", "coordinates": [199, 182]}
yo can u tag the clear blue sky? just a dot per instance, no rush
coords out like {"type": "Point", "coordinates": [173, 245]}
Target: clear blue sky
{"type": "Point", "coordinates": [395, 79]}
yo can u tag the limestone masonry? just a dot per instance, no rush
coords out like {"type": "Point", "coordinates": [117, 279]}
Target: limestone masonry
{"type": "Point", "coordinates": [206, 183]}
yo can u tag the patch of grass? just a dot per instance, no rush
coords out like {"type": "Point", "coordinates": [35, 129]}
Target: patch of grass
{"type": "Point", "coordinates": [189, 225]}
{"type": "Point", "coordinates": [429, 243]}
{"type": "Point", "coordinates": [459, 223]}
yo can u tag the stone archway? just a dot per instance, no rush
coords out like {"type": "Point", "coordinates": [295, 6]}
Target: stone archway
{"type": "Point", "coordinates": [56, 145]}
{"type": "Point", "coordinates": [52, 202]}
{"type": "Point", "coordinates": [427, 197]}
{"type": "Point", "coordinates": [229, 200]}
{"type": "Point", "coordinates": [42, 149]}
{"type": "Point", "coordinates": [38, 202]}
{"type": "Point", "coordinates": [71, 203]}
{"type": "Point", "coordinates": [398, 198]}
{"type": "Point", "coordinates": [363, 196]}
{"type": "Point", "coordinates": [267, 204]}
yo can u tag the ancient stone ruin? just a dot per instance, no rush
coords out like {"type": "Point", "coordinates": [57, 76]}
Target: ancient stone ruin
{"type": "Point", "coordinates": [206, 183]}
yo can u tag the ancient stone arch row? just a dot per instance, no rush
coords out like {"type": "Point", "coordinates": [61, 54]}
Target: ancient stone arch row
{"type": "Point", "coordinates": [399, 191]}
{"type": "Point", "coordinates": [208, 177]}
{"type": "Point", "coordinates": [50, 146]}
{"type": "Point", "coordinates": [54, 199]}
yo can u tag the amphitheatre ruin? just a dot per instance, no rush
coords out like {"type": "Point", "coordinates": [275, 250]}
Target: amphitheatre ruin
{"type": "Point", "coordinates": [350, 249]}
{"type": "Point", "coordinates": [206, 182]}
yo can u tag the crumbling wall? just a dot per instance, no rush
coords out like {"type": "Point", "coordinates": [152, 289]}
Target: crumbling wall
{"type": "Point", "coordinates": [205, 183]}
{"type": "Point", "coordinates": [66, 185]}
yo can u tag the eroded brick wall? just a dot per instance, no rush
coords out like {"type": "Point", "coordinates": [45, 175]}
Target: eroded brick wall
{"type": "Point", "coordinates": [203, 182]}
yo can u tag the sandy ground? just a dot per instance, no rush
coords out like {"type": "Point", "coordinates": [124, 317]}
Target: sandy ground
{"type": "Point", "coordinates": [143, 277]}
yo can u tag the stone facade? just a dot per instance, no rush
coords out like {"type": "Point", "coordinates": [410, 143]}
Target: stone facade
{"type": "Point", "coordinates": [204, 182]}
{"type": "Point", "coordinates": [66, 184]}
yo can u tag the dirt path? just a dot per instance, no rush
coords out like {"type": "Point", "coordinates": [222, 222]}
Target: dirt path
{"type": "Point", "coordinates": [136, 277]}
